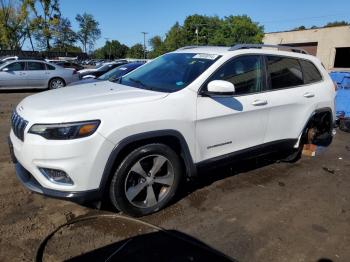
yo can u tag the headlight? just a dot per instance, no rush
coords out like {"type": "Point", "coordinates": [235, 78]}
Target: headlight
{"type": "Point", "coordinates": [65, 130]}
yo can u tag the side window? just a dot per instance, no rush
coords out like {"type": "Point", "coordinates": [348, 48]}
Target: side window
{"type": "Point", "coordinates": [284, 72]}
{"type": "Point", "coordinates": [17, 66]}
{"type": "Point", "coordinates": [50, 67]}
{"type": "Point", "coordinates": [34, 66]}
{"type": "Point", "coordinates": [310, 72]}
{"type": "Point", "coordinates": [245, 72]}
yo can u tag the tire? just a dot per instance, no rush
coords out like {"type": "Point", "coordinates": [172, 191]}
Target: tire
{"type": "Point", "coordinates": [56, 83]}
{"type": "Point", "coordinates": [155, 183]}
{"type": "Point", "coordinates": [294, 154]}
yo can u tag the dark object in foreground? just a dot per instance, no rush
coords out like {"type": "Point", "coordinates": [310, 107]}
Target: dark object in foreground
{"type": "Point", "coordinates": [158, 246]}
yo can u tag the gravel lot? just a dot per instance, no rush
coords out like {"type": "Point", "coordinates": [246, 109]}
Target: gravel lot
{"type": "Point", "coordinates": [253, 211]}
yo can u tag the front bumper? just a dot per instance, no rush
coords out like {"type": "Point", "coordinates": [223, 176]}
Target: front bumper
{"type": "Point", "coordinates": [32, 184]}
{"type": "Point", "coordinates": [83, 160]}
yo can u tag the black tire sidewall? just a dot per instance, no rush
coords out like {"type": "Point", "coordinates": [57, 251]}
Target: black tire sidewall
{"type": "Point", "coordinates": [117, 185]}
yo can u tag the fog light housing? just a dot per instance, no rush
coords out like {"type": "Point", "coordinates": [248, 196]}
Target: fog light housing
{"type": "Point", "coordinates": [56, 176]}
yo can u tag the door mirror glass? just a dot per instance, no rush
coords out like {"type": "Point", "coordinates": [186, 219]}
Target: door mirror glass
{"type": "Point", "coordinates": [221, 87]}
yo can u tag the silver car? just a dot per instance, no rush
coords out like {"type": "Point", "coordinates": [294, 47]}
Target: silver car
{"type": "Point", "coordinates": [21, 74]}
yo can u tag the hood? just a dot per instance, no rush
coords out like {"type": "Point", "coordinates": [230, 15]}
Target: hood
{"type": "Point", "coordinates": [65, 102]}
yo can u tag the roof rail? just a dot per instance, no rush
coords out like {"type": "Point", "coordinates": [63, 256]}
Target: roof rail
{"type": "Point", "coordinates": [282, 47]}
{"type": "Point", "coordinates": [188, 47]}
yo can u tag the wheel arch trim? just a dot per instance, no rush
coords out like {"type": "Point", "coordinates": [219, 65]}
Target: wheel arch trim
{"type": "Point", "coordinates": [191, 169]}
{"type": "Point", "coordinates": [316, 111]}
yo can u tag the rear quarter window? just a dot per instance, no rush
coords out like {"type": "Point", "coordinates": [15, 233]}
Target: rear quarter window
{"type": "Point", "coordinates": [50, 67]}
{"type": "Point", "coordinates": [310, 72]}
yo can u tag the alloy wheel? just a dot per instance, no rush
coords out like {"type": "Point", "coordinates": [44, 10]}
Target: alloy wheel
{"type": "Point", "coordinates": [149, 181]}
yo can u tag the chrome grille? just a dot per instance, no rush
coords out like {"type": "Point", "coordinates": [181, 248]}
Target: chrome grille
{"type": "Point", "coordinates": [18, 125]}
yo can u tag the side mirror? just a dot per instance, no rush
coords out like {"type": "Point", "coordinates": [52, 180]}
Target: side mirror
{"type": "Point", "coordinates": [220, 87]}
{"type": "Point", "coordinates": [5, 69]}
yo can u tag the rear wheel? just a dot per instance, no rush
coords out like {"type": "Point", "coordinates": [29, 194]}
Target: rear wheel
{"type": "Point", "coordinates": [146, 180]}
{"type": "Point", "coordinates": [56, 83]}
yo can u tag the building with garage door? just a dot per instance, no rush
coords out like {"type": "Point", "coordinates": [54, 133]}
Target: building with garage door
{"type": "Point", "coordinates": [331, 45]}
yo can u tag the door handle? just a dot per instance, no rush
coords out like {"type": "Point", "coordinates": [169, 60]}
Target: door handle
{"type": "Point", "coordinates": [259, 102]}
{"type": "Point", "coordinates": [309, 95]}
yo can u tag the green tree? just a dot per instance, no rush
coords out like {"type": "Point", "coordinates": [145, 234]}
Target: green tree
{"type": "Point", "coordinates": [13, 31]}
{"type": "Point", "coordinates": [302, 27]}
{"type": "Point", "coordinates": [136, 51]}
{"type": "Point", "coordinates": [199, 29]}
{"type": "Point", "coordinates": [88, 30]}
{"type": "Point", "coordinates": [47, 16]}
{"type": "Point", "coordinates": [175, 38]}
{"type": "Point", "coordinates": [64, 36]}
{"type": "Point", "coordinates": [237, 29]}
{"type": "Point", "coordinates": [209, 30]}
{"type": "Point", "coordinates": [336, 23]}
{"type": "Point", "coordinates": [111, 50]}
{"type": "Point", "coordinates": [158, 47]}
{"type": "Point", "coordinates": [68, 48]}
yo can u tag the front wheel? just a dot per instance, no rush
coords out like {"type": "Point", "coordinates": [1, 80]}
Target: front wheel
{"type": "Point", "coordinates": [56, 83]}
{"type": "Point", "coordinates": [146, 180]}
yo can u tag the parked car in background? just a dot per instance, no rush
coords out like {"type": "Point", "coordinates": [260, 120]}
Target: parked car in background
{"type": "Point", "coordinates": [8, 59]}
{"type": "Point", "coordinates": [71, 65]}
{"type": "Point", "coordinates": [21, 74]}
{"type": "Point", "coordinates": [112, 75]}
{"type": "Point", "coordinates": [15, 58]}
{"type": "Point", "coordinates": [96, 72]}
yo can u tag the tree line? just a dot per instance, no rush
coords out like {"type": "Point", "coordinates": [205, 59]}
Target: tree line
{"type": "Point", "coordinates": [41, 23]}
{"type": "Point", "coordinates": [195, 30]}
{"type": "Point", "coordinates": [329, 24]}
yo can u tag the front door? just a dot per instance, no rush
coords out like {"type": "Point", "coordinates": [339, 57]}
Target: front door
{"type": "Point", "coordinates": [13, 76]}
{"type": "Point", "coordinates": [232, 123]}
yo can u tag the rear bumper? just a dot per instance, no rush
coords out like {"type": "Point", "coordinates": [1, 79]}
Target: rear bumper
{"type": "Point", "coordinates": [32, 184]}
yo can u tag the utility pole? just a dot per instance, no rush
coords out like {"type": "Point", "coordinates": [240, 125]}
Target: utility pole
{"type": "Point", "coordinates": [197, 31]}
{"type": "Point", "coordinates": [144, 44]}
{"type": "Point", "coordinates": [109, 52]}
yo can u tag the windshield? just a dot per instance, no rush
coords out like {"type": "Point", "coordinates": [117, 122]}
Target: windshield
{"type": "Point", "coordinates": [170, 73]}
{"type": "Point", "coordinates": [115, 73]}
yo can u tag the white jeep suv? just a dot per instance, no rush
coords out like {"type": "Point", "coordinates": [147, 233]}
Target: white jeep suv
{"type": "Point", "coordinates": [135, 139]}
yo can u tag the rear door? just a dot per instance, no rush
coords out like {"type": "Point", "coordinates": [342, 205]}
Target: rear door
{"type": "Point", "coordinates": [37, 76]}
{"type": "Point", "coordinates": [13, 76]}
{"type": "Point", "coordinates": [292, 96]}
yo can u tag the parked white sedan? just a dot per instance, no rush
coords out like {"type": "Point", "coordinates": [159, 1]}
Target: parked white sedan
{"type": "Point", "coordinates": [29, 74]}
